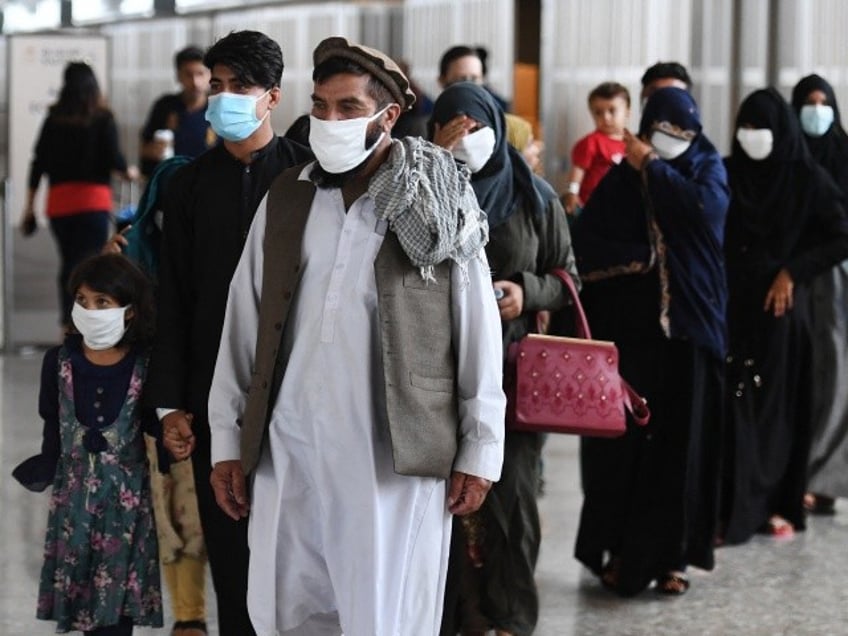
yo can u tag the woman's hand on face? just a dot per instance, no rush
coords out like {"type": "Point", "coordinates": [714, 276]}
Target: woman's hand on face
{"type": "Point", "coordinates": [512, 303]}
{"type": "Point", "coordinates": [779, 296]}
{"type": "Point", "coordinates": [448, 136]}
{"type": "Point", "coordinates": [636, 150]}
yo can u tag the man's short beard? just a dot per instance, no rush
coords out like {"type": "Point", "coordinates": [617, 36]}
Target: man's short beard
{"type": "Point", "coordinates": [330, 180]}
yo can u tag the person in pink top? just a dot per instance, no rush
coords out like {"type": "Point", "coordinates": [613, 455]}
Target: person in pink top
{"type": "Point", "coordinates": [597, 152]}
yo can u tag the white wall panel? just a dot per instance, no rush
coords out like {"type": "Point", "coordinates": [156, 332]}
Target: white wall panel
{"type": "Point", "coordinates": [814, 41]}
{"type": "Point", "coordinates": [430, 27]}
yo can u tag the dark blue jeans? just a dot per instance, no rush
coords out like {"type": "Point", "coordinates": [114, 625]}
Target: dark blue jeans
{"type": "Point", "coordinates": [78, 236]}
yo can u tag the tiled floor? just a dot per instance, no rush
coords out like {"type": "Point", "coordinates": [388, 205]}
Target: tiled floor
{"type": "Point", "coordinates": [797, 587]}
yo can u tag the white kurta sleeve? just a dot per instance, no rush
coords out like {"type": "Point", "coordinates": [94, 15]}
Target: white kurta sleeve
{"type": "Point", "coordinates": [478, 343]}
{"type": "Point", "coordinates": [238, 345]}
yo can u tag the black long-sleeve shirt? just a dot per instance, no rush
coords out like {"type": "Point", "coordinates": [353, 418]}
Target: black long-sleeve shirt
{"type": "Point", "coordinates": [77, 152]}
{"type": "Point", "coordinates": [208, 209]}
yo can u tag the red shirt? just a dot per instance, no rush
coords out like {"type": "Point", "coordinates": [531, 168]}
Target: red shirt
{"type": "Point", "coordinates": [595, 154]}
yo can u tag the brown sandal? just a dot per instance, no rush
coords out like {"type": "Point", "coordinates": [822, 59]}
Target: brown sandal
{"type": "Point", "coordinates": [189, 628]}
{"type": "Point", "coordinates": [672, 584]}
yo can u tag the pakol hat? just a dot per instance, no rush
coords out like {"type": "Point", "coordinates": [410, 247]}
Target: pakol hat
{"type": "Point", "coordinates": [375, 62]}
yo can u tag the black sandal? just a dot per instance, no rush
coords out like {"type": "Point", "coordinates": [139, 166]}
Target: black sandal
{"type": "Point", "coordinates": [819, 504]}
{"type": "Point", "coordinates": [201, 625]}
{"type": "Point", "coordinates": [672, 584]}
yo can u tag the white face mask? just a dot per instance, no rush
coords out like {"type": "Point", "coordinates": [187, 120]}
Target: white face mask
{"type": "Point", "coordinates": [475, 149]}
{"type": "Point", "coordinates": [339, 145]}
{"type": "Point", "coordinates": [100, 328]}
{"type": "Point", "coordinates": [668, 147]}
{"type": "Point", "coordinates": [756, 142]}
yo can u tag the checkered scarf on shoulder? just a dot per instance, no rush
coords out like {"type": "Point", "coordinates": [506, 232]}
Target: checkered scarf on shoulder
{"type": "Point", "coordinates": [428, 203]}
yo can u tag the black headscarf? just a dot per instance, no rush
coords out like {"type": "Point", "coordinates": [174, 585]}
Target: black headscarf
{"type": "Point", "coordinates": [506, 180]}
{"type": "Point", "coordinates": [831, 148]}
{"type": "Point", "coordinates": [770, 196]}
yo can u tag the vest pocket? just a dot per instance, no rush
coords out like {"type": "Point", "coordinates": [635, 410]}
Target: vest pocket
{"type": "Point", "coordinates": [439, 385]}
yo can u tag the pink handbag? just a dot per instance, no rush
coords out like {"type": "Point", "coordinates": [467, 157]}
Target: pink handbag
{"type": "Point", "coordinates": [569, 385]}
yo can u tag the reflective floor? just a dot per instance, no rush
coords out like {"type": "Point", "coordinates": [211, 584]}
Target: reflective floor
{"type": "Point", "coordinates": [795, 587]}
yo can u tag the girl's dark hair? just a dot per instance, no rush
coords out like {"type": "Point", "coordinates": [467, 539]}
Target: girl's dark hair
{"type": "Point", "coordinates": [118, 276]}
{"type": "Point", "coordinates": [253, 57]}
{"type": "Point", "coordinates": [610, 90]}
{"type": "Point", "coordinates": [80, 97]}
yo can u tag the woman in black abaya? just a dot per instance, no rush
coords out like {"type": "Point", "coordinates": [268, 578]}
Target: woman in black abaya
{"type": "Point", "coordinates": [649, 251]}
{"type": "Point", "coordinates": [815, 103]}
{"type": "Point", "coordinates": [785, 225]}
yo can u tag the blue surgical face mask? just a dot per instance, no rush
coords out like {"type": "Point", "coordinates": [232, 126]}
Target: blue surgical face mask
{"type": "Point", "coordinates": [816, 119]}
{"type": "Point", "coordinates": [233, 116]}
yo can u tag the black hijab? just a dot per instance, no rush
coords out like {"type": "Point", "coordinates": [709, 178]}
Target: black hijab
{"type": "Point", "coordinates": [831, 148]}
{"type": "Point", "coordinates": [506, 180]}
{"type": "Point", "coordinates": [771, 196]}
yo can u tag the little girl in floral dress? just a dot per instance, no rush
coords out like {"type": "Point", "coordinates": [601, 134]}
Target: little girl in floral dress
{"type": "Point", "coordinates": [101, 565]}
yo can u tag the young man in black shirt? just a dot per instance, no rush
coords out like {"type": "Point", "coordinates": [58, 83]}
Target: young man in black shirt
{"type": "Point", "coordinates": [183, 113]}
{"type": "Point", "coordinates": [208, 209]}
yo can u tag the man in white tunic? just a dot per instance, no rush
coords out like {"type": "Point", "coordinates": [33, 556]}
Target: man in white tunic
{"type": "Point", "coordinates": [358, 380]}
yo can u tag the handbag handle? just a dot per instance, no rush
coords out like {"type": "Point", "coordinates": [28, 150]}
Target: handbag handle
{"type": "Point", "coordinates": [633, 402]}
{"type": "Point", "coordinates": [582, 324]}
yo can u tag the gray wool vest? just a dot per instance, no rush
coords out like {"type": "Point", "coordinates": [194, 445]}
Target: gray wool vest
{"type": "Point", "coordinates": [417, 353]}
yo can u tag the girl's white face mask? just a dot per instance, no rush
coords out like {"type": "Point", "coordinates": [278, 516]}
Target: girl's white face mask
{"type": "Point", "coordinates": [339, 144]}
{"type": "Point", "coordinates": [475, 149]}
{"type": "Point", "coordinates": [756, 142]}
{"type": "Point", "coordinates": [100, 328]}
{"type": "Point", "coordinates": [668, 147]}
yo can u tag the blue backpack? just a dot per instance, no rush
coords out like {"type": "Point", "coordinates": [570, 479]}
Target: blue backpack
{"type": "Point", "coordinates": [144, 236]}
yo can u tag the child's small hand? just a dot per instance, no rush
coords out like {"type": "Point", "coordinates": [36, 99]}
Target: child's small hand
{"type": "Point", "coordinates": [177, 435]}
{"type": "Point", "coordinates": [448, 136]}
{"type": "Point", "coordinates": [230, 488]}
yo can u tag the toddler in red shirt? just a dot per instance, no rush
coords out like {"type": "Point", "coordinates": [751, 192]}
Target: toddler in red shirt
{"type": "Point", "coordinates": [597, 152]}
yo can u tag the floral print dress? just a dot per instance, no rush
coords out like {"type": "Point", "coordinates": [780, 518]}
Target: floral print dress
{"type": "Point", "coordinates": [101, 557]}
